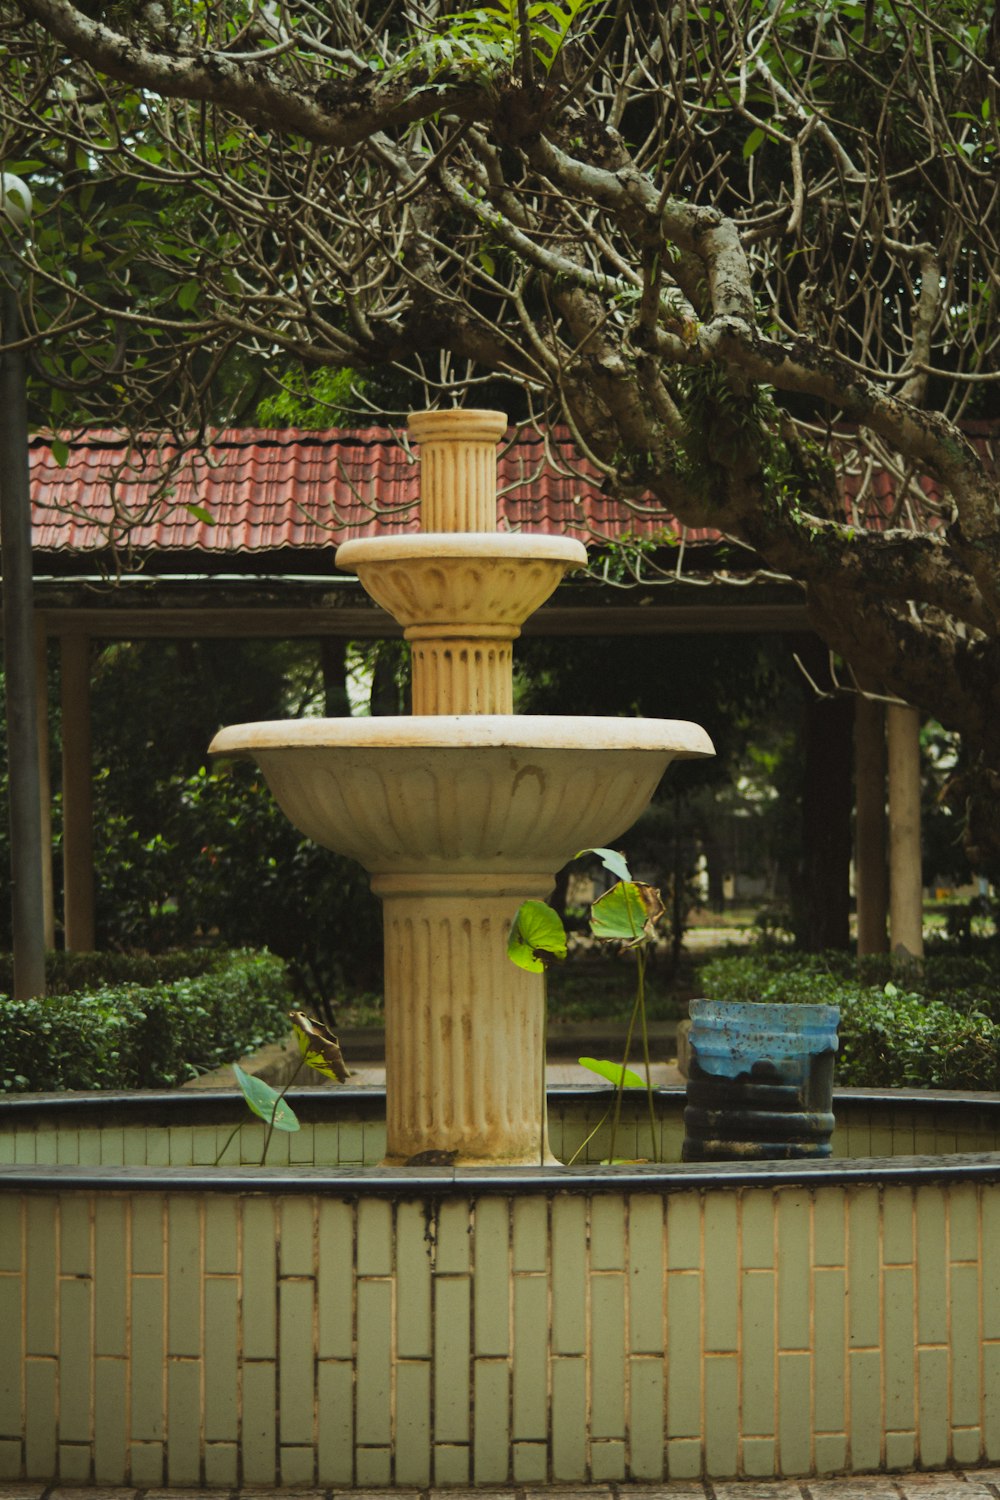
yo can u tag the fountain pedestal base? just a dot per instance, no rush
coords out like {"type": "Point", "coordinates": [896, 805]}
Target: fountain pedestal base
{"type": "Point", "coordinates": [464, 1027]}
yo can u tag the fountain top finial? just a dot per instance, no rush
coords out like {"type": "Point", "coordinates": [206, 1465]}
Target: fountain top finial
{"type": "Point", "coordinates": [458, 468]}
{"type": "Point", "coordinates": [454, 425]}
{"type": "Point", "coordinates": [460, 590]}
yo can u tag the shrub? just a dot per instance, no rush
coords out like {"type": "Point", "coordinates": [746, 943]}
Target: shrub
{"type": "Point", "coordinates": [67, 972]}
{"type": "Point", "coordinates": [944, 1038]}
{"type": "Point", "coordinates": [780, 976]}
{"type": "Point", "coordinates": [144, 1035]}
{"type": "Point", "coordinates": [893, 1039]}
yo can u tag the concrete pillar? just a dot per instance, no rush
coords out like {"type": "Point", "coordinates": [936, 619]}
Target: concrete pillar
{"type": "Point", "coordinates": [44, 785]}
{"type": "Point", "coordinates": [78, 810]}
{"type": "Point", "coordinates": [870, 870]}
{"type": "Point", "coordinates": [906, 892]}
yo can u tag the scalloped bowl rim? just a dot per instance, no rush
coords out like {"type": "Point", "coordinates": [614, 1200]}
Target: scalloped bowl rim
{"type": "Point", "coordinates": [449, 546]}
{"type": "Point", "coordinates": [450, 732]}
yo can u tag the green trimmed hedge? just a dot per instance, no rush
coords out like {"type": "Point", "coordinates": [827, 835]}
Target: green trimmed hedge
{"type": "Point", "coordinates": [937, 1029]}
{"type": "Point", "coordinates": [176, 1016]}
{"type": "Point", "coordinates": [66, 972]}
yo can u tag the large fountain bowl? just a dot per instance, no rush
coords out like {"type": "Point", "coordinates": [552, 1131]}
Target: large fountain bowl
{"type": "Point", "coordinates": [479, 793]}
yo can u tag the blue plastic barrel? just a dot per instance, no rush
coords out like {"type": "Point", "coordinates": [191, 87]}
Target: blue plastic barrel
{"type": "Point", "coordinates": [760, 1081]}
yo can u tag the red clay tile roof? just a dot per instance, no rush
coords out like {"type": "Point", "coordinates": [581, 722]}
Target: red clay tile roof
{"type": "Point", "coordinates": [268, 490]}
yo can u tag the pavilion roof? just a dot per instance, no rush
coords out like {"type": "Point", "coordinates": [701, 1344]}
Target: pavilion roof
{"type": "Point", "coordinates": [264, 490]}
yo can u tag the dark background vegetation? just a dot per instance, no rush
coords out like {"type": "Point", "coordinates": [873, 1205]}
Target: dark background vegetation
{"type": "Point", "coordinates": [189, 852]}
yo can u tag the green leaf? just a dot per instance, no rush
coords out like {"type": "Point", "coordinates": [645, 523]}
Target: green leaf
{"type": "Point", "coordinates": [614, 1072]}
{"type": "Point", "coordinates": [536, 937]}
{"type": "Point", "coordinates": [265, 1101]}
{"type": "Point", "coordinates": [188, 295]}
{"type": "Point", "coordinates": [60, 452]}
{"type": "Point", "coordinates": [487, 262]}
{"type": "Point", "coordinates": [200, 514]}
{"type": "Point", "coordinates": [611, 859]}
{"type": "Point", "coordinates": [553, 38]}
{"type": "Point", "coordinates": [620, 914]}
{"type": "Point", "coordinates": [756, 138]}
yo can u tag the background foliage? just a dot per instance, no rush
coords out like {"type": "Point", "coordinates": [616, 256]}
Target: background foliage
{"type": "Point", "coordinates": [189, 853]}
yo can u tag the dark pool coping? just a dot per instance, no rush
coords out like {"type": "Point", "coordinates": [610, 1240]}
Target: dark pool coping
{"type": "Point", "coordinates": [474, 1182]}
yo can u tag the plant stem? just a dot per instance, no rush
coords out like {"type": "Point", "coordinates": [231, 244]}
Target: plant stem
{"type": "Point", "coordinates": [621, 1082]}
{"type": "Point", "coordinates": [640, 958]}
{"type": "Point", "coordinates": [524, 40]}
{"type": "Point", "coordinates": [229, 1139]}
{"type": "Point", "coordinates": [638, 1007]}
{"type": "Point", "coordinates": [585, 1143]}
{"type": "Point", "coordinates": [274, 1111]}
{"type": "Point", "coordinates": [545, 1035]}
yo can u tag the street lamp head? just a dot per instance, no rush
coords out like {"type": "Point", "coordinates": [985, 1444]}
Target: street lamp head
{"type": "Point", "coordinates": [15, 200]}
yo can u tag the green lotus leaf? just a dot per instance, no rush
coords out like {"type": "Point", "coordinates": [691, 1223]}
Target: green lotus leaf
{"type": "Point", "coordinates": [614, 1072]}
{"type": "Point", "coordinates": [612, 860]}
{"type": "Point", "coordinates": [265, 1101]}
{"type": "Point", "coordinates": [537, 936]}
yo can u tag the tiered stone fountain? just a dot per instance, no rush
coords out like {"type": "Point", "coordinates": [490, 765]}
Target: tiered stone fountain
{"type": "Point", "coordinates": [320, 1322]}
{"type": "Point", "coordinates": [464, 810]}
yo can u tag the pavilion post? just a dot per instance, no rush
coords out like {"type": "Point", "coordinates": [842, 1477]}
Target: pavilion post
{"type": "Point", "coordinates": [44, 784]}
{"type": "Point", "coordinates": [826, 810]}
{"type": "Point", "coordinates": [27, 894]}
{"type": "Point", "coordinates": [906, 887]}
{"type": "Point", "coordinates": [78, 809]}
{"type": "Point", "coordinates": [870, 869]}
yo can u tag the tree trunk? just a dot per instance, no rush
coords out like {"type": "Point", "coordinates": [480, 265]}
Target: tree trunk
{"type": "Point", "coordinates": [333, 665]}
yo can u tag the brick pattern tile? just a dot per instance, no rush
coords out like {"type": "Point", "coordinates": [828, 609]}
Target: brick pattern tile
{"type": "Point", "coordinates": [303, 1341]}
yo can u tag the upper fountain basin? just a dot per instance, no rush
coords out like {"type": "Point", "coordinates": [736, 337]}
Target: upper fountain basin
{"type": "Point", "coordinates": [460, 581]}
{"type": "Point", "coordinates": [471, 792]}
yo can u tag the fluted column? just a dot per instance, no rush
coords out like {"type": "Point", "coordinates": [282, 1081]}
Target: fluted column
{"type": "Point", "coordinates": [458, 468]}
{"type": "Point", "coordinates": [458, 492]}
{"type": "Point", "coordinates": [463, 675]}
{"type": "Point", "coordinates": [464, 1027]}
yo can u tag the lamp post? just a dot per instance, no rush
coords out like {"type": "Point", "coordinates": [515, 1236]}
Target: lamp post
{"type": "Point", "coordinates": [27, 897]}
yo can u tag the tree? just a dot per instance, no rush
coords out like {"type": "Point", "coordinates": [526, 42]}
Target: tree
{"type": "Point", "coordinates": [735, 246]}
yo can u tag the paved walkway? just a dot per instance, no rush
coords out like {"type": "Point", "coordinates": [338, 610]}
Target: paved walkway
{"type": "Point", "coordinates": [558, 1075]}
{"type": "Point", "coordinates": [973, 1484]}
{"type": "Point", "coordinates": [561, 1074]}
